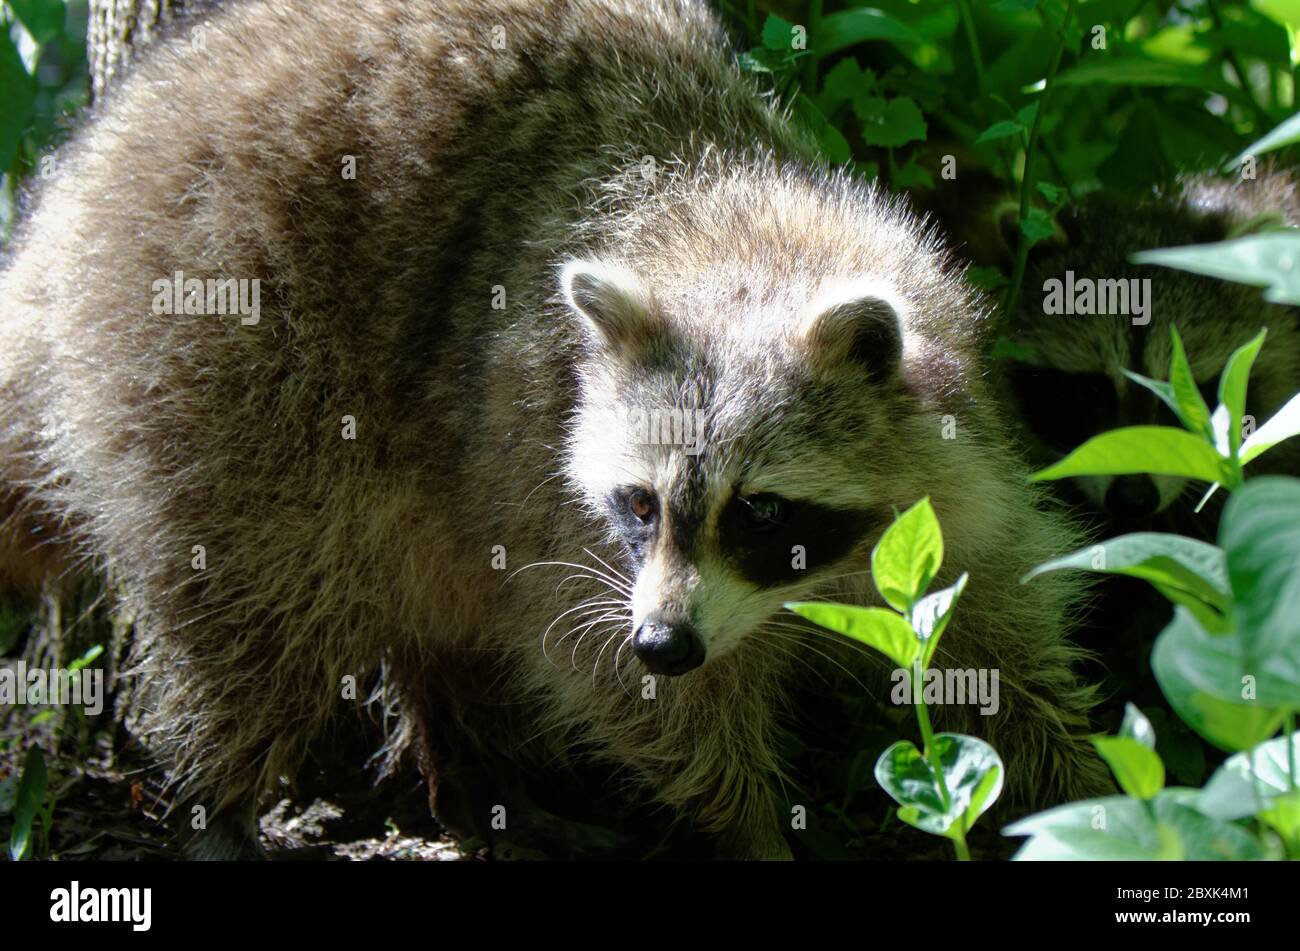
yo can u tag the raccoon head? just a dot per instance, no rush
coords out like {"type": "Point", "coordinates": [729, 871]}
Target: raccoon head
{"type": "Point", "coordinates": [738, 461]}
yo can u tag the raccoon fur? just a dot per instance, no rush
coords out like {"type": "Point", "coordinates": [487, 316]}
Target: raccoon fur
{"type": "Point", "coordinates": [567, 215]}
{"type": "Point", "coordinates": [1071, 385]}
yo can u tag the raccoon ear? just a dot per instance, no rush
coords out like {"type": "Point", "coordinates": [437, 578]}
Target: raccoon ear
{"type": "Point", "coordinates": [616, 307]}
{"type": "Point", "coordinates": [860, 326]}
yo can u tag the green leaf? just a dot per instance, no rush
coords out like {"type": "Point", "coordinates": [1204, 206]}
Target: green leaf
{"type": "Point", "coordinates": [1119, 828]}
{"type": "Point", "coordinates": [1137, 727]}
{"type": "Point", "coordinates": [18, 95]}
{"type": "Point", "coordinates": [1140, 71]}
{"type": "Point", "coordinates": [1037, 226]}
{"type": "Point", "coordinates": [832, 144]}
{"type": "Point", "coordinates": [1284, 424]}
{"type": "Point", "coordinates": [1137, 768]}
{"type": "Point", "coordinates": [1230, 698]}
{"type": "Point", "coordinates": [1053, 193]}
{"type": "Point", "coordinates": [31, 795]}
{"type": "Point", "coordinates": [908, 556]}
{"type": "Point", "coordinates": [882, 629]}
{"type": "Point", "coordinates": [1260, 535]}
{"type": "Point", "coordinates": [1189, 404]}
{"type": "Point", "coordinates": [1003, 129]}
{"type": "Point", "coordinates": [1287, 133]}
{"type": "Point", "coordinates": [778, 34]}
{"type": "Point", "coordinates": [1249, 782]}
{"type": "Point", "coordinates": [897, 123]}
{"type": "Point", "coordinates": [840, 30]}
{"type": "Point", "coordinates": [844, 82]}
{"type": "Point", "coordinates": [931, 615]}
{"type": "Point", "coordinates": [1233, 383]}
{"type": "Point", "coordinates": [43, 19]}
{"type": "Point", "coordinates": [1265, 260]}
{"type": "Point", "coordinates": [1175, 562]}
{"type": "Point", "coordinates": [972, 773]}
{"type": "Point", "coordinates": [1162, 450]}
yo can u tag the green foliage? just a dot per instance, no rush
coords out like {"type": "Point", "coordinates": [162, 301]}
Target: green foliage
{"type": "Point", "coordinates": [44, 79]}
{"type": "Point", "coordinates": [1210, 447]}
{"type": "Point", "coordinates": [1229, 661]}
{"type": "Point", "coordinates": [946, 786]}
{"type": "Point", "coordinates": [32, 808]}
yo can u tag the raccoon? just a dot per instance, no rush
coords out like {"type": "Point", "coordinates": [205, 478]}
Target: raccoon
{"type": "Point", "coordinates": [1071, 386]}
{"type": "Point", "coordinates": [428, 454]}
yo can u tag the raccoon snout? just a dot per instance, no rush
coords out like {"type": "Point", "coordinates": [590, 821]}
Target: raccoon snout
{"type": "Point", "coordinates": [1132, 496]}
{"type": "Point", "coordinates": [667, 648]}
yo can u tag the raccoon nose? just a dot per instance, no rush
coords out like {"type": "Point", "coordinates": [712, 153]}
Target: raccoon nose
{"type": "Point", "coordinates": [668, 649]}
{"type": "Point", "coordinates": [1132, 496]}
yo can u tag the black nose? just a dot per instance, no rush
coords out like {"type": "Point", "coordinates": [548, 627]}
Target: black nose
{"type": "Point", "coordinates": [1132, 496]}
{"type": "Point", "coordinates": [669, 649]}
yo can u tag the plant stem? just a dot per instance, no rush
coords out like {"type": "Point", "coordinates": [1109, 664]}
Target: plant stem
{"type": "Point", "coordinates": [1290, 750]}
{"type": "Point", "coordinates": [932, 755]}
{"type": "Point", "coordinates": [810, 61]}
{"type": "Point", "coordinates": [1027, 179]}
{"type": "Point", "coordinates": [977, 59]}
{"type": "Point", "coordinates": [1216, 16]}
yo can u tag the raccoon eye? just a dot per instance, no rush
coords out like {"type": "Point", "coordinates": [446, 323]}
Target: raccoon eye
{"type": "Point", "coordinates": [642, 504]}
{"type": "Point", "coordinates": [761, 513]}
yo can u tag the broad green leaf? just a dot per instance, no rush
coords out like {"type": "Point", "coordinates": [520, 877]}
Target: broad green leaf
{"type": "Point", "coordinates": [1139, 71]}
{"type": "Point", "coordinates": [1137, 727]}
{"type": "Point", "coordinates": [1231, 699]}
{"type": "Point", "coordinates": [908, 556]}
{"type": "Point", "coordinates": [1260, 533]}
{"type": "Point", "coordinates": [1250, 781]}
{"type": "Point", "coordinates": [1173, 561]}
{"type": "Point", "coordinates": [844, 82]}
{"type": "Point", "coordinates": [42, 18]}
{"type": "Point", "coordinates": [778, 34]}
{"type": "Point", "coordinates": [1265, 260]}
{"type": "Point", "coordinates": [1037, 226]}
{"type": "Point", "coordinates": [1287, 133]}
{"type": "Point", "coordinates": [880, 628]}
{"type": "Point", "coordinates": [829, 139]}
{"type": "Point", "coordinates": [899, 122]}
{"type": "Point", "coordinates": [1284, 424]}
{"type": "Point", "coordinates": [1232, 386]}
{"type": "Point", "coordinates": [972, 772]}
{"type": "Point", "coordinates": [18, 95]}
{"type": "Point", "coordinates": [31, 795]}
{"type": "Point", "coordinates": [931, 615]}
{"type": "Point", "coordinates": [1162, 450]}
{"type": "Point", "coordinates": [1137, 768]}
{"type": "Point", "coordinates": [1119, 828]}
{"type": "Point", "coordinates": [1188, 402]}
{"type": "Point", "coordinates": [840, 30]}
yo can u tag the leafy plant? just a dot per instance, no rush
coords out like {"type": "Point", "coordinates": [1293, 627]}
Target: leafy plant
{"type": "Point", "coordinates": [1228, 663]}
{"type": "Point", "coordinates": [1211, 446]}
{"type": "Point", "coordinates": [945, 786]}
{"type": "Point", "coordinates": [33, 808]}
